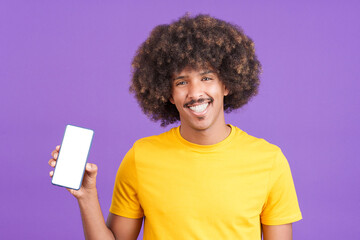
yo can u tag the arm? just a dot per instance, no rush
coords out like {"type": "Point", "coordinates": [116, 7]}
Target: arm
{"type": "Point", "coordinates": [124, 228]}
{"type": "Point", "coordinates": [277, 232]}
{"type": "Point", "coordinates": [117, 227]}
{"type": "Point", "coordinates": [92, 217]}
{"type": "Point", "coordinates": [281, 208]}
{"type": "Point", "coordinates": [93, 221]}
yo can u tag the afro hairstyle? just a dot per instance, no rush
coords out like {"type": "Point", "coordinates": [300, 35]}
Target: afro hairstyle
{"type": "Point", "coordinates": [193, 42]}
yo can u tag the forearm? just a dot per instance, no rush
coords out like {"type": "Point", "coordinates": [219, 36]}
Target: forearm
{"type": "Point", "coordinates": [93, 219]}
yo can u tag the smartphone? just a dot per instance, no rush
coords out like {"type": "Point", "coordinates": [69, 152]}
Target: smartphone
{"type": "Point", "coordinates": [72, 158]}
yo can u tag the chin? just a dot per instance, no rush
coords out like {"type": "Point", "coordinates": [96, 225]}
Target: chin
{"type": "Point", "coordinates": [200, 126]}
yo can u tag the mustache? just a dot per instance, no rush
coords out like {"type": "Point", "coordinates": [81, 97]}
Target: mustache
{"type": "Point", "coordinates": [200, 100]}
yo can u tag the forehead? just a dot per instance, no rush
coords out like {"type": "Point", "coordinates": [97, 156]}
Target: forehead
{"type": "Point", "coordinates": [193, 71]}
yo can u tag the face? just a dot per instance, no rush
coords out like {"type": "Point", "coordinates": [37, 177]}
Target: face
{"type": "Point", "coordinates": [199, 96]}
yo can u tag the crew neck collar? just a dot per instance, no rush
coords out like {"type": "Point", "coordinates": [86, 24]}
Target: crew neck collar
{"type": "Point", "coordinates": [205, 147]}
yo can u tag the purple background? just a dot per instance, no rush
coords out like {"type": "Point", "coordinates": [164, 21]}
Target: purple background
{"type": "Point", "coordinates": [69, 62]}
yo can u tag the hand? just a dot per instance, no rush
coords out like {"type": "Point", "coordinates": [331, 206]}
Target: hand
{"type": "Point", "coordinates": [89, 181]}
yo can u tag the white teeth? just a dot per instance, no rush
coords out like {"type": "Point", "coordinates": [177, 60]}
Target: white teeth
{"type": "Point", "coordinates": [199, 108]}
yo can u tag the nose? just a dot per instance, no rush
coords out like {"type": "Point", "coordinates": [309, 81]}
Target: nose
{"type": "Point", "coordinates": [195, 90]}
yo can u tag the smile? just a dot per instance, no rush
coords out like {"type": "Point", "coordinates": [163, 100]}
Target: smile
{"type": "Point", "coordinates": [199, 108]}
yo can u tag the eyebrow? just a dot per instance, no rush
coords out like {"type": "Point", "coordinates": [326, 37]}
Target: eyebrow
{"type": "Point", "coordinates": [201, 74]}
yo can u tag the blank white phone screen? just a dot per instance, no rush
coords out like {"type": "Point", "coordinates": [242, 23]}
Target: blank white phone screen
{"type": "Point", "coordinates": [73, 154]}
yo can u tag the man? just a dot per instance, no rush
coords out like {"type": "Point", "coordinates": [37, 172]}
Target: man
{"type": "Point", "coordinates": [204, 179]}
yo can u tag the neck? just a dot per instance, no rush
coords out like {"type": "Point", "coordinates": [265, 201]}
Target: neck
{"type": "Point", "coordinates": [208, 136]}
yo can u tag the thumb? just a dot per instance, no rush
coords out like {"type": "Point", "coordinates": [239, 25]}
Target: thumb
{"type": "Point", "coordinates": [91, 169]}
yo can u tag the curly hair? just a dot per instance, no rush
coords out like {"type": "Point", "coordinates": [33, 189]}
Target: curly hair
{"type": "Point", "coordinates": [196, 42]}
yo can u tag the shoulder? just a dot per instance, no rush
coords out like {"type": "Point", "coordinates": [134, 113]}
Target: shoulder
{"type": "Point", "coordinates": [253, 143]}
{"type": "Point", "coordinates": [149, 149]}
{"type": "Point", "coordinates": [160, 140]}
{"type": "Point", "coordinates": [258, 150]}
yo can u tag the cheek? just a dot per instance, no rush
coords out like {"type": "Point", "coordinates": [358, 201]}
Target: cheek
{"type": "Point", "coordinates": [216, 91]}
{"type": "Point", "coordinates": [178, 96]}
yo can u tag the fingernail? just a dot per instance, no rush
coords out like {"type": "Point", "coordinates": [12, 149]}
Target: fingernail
{"type": "Point", "coordinates": [55, 155]}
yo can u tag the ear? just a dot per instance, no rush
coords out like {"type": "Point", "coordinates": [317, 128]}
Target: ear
{"type": "Point", "coordinates": [171, 100]}
{"type": "Point", "coordinates": [226, 91]}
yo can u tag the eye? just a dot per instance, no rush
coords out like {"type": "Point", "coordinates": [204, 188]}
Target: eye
{"type": "Point", "coordinates": [180, 83]}
{"type": "Point", "coordinates": [206, 78]}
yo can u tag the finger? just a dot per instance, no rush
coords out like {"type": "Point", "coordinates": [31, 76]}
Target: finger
{"type": "Point", "coordinates": [52, 162]}
{"type": "Point", "coordinates": [55, 152]}
{"type": "Point", "coordinates": [91, 169]}
{"type": "Point", "coordinates": [72, 191]}
{"type": "Point", "coordinates": [57, 147]}
{"type": "Point", "coordinates": [51, 173]}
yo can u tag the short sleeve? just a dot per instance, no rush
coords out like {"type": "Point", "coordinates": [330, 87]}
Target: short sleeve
{"type": "Point", "coordinates": [125, 201]}
{"type": "Point", "coordinates": [281, 206]}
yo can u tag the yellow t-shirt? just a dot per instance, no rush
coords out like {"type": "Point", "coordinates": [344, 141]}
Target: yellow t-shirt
{"type": "Point", "coordinates": [190, 191]}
